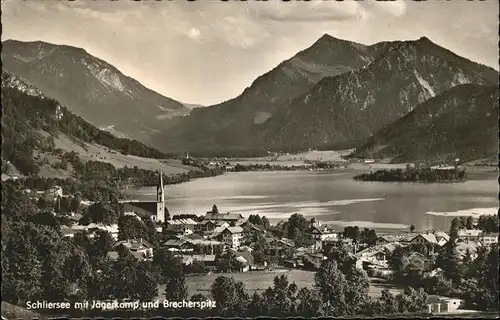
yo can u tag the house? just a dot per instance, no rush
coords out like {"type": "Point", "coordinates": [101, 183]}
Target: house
{"type": "Point", "coordinates": [469, 234]}
{"type": "Point", "coordinates": [139, 248]}
{"type": "Point", "coordinates": [377, 255]}
{"type": "Point", "coordinates": [222, 224]}
{"type": "Point", "coordinates": [247, 256]}
{"type": "Point", "coordinates": [245, 266]}
{"type": "Point", "coordinates": [90, 229]}
{"type": "Point", "coordinates": [385, 239]}
{"type": "Point", "coordinates": [206, 225]}
{"type": "Point", "coordinates": [231, 236]}
{"type": "Point", "coordinates": [424, 238]}
{"type": "Point", "coordinates": [179, 245]}
{"type": "Point", "coordinates": [319, 234]}
{"type": "Point", "coordinates": [177, 230]}
{"type": "Point", "coordinates": [314, 260]}
{"type": "Point", "coordinates": [279, 247]}
{"type": "Point", "coordinates": [54, 192]}
{"type": "Point", "coordinates": [470, 246]}
{"type": "Point", "coordinates": [207, 259]}
{"type": "Point", "coordinates": [250, 229]}
{"type": "Point", "coordinates": [433, 273]}
{"type": "Point", "coordinates": [442, 238]}
{"type": "Point", "coordinates": [184, 222]}
{"type": "Point", "coordinates": [132, 214]}
{"type": "Point", "coordinates": [231, 218]}
{"type": "Point", "coordinates": [186, 259]}
{"type": "Point", "coordinates": [204, 245]}
{"type": "Point", "coordinates": [400, 238]}
{"type": "Point", "coordinates": [443, 304]}
{"type": "Point", "coordinates": [487, 239]}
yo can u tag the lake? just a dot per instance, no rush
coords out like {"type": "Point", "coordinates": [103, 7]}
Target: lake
{"type": "Point", "coordinates": [333, 197]}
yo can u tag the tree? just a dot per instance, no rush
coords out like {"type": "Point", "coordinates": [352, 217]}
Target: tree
{"type": "Point", "coordinates": [16, 206]}
{"type": "Point", "coordinates": [265, 222]}
{"type": "Point", "coordinates": [352, 233]}
{"type": "Point", "coordinates": [342, 258]}
{"type": "Point", "coordinates": [488, 223]}
{"type": "Point", "coordinates": [309, 304]}
{"type": "Point", "coordinates": [411, 300]}
{"type": "Point", "coordinates": [64, 205]}
{"type": "Point", "coordinates": [462, 222]}
{"type": "Point", "coordinates": [487, 295]}
{"type": "Point", "coordinates": [46, 218]}
{"type": "Point", "coordinates": [146, 284]}
{"type": "Point", "coordinates": [469, 224]}
{"type": "Point", "coordinates": [166, 262]}
{"type": "Point", "coordinates": [412, 228]}
{"type": "Point", "coordinates": [331, 285]}
{"type": "Point", "coordinates": [441, 286]}
{"type": "Point", "coordinates": [296, 226]}
{"type": "Point", "coordinates": [102, 243]}
{"type": "Point", "coordinates": [257, 306]}
{"type": "Point", "coordinates": [279, 300]}
{"type": "Point", "coordinates": [130, 227]}
{"type": "Point", "coordinates": [455, 225]}
{"type": "Point", "coordinates": [386, 304]}
{"type": "Point", "coordinates": [356, 291]}
{"type": "Point", "coordinates": [101, 212]}
{"type": "Point", "coordinates": [230, 297]}
{"type": "Point", "coordinates": [21, 272]}
{"type": "Point", "coordinates": [369, 237]}
{"type": "Point", "coordinates": [449, 261]}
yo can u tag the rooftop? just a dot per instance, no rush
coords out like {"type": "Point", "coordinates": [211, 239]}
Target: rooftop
{"type": "Point", "coordinates": [181, 221]}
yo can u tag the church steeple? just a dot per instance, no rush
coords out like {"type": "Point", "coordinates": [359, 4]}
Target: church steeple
{"type": "Point", "coordinates": [160, 199]}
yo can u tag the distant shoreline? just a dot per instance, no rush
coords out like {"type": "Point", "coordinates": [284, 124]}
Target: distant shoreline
{"type": "Point", "coordinates": [449, 174]}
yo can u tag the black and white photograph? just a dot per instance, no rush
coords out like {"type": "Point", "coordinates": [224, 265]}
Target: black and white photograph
{"type": "Point", "coordinates": [245, 159]}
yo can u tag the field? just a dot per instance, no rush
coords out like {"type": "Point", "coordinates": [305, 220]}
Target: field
{"type": "Point", "coordinates": [260, 281]}
{"type": "Point", "coordinates": [293, 159]}
{"type": "Point", "coordinates": [97, 152]}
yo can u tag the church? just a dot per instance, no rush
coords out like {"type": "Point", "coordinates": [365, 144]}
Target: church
{"type": "Point", "coordinates": [156, 210]}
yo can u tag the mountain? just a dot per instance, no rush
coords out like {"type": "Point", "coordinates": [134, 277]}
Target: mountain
{"type": "Point", "coordinates": [224, 125]}
{"type": "Point", "coordinates": [38, 133]}
{"type": "Point", "coordinates": [459, 123]}
{"type": "Point", "coordinates": [90, 87]}
{"type": "Point", "coordinates": [354, 91]}
{"type": "Point", "coordinates": [354, 105]}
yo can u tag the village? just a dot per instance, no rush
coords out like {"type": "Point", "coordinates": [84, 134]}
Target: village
{"type": "Point", "coordinates": [228, 242]}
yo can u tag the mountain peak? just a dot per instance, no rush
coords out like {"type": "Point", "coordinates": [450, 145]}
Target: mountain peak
{"type": "Point", "coordinates": [424, 39]}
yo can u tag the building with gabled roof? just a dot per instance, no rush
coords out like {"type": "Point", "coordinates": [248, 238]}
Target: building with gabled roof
{"type": "Point", "coordinates": [139, 248]}
{"type": "Point", "coordinates": [424, 238]}
{"type": "Point", "coordinates": [231, 236]}
{"type": "Point", "coordinates": [235, 218]}
{"type": "Point", "coordinates": [180, 245]}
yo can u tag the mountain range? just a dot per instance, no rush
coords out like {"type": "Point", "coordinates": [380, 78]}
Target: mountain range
{"type": "Point", "coordinates": [90, 87]}
{"type": "Point", "coordinates": [333, 93]}
{"type": "Point", "coordinates": [459, 123]}
{"type": "Point", "coordinates": [39, 135]}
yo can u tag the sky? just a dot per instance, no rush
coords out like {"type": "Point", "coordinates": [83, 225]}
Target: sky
{"type": "Point", "coordinates": [208, 51]}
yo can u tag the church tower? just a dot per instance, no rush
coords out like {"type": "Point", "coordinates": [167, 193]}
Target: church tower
{"type": "Point", "coordinates": [160, 199]}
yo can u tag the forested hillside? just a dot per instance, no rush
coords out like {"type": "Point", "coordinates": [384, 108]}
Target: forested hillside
{"type": "Point", "coordinates": [31, 121]}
